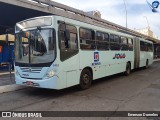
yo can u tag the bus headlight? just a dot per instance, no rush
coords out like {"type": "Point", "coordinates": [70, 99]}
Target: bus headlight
{"type": "Point", "coordinates": [50, 74]}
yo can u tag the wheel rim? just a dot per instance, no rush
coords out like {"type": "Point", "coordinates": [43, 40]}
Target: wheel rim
{"type": "Point", "coordinates": [86, 79]}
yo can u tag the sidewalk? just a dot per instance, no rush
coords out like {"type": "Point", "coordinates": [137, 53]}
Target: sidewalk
{"type": "Point", "coordinates": [7, 82]}
{"type": "Point", "coordinates": [6, 79]}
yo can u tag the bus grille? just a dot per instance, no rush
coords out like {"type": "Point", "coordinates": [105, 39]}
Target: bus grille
{"type": "Point", "coordinates": [31, 69]}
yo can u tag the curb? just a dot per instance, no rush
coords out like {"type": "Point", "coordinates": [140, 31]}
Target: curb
{"type": "Point", "coordinates": [6, 73]}
{"type": "Point", "coordinates": [9, 88]}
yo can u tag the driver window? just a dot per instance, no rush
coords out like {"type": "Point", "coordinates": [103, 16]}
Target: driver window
{"type": "Point", "coordinates": [68, 47]}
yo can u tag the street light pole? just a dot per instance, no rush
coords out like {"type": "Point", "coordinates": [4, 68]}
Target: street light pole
{"type": "Point", "coordinates": [126, 11]}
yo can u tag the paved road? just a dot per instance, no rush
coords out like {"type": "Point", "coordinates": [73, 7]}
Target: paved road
{"type": "Point", "coordinates": [138, 92]}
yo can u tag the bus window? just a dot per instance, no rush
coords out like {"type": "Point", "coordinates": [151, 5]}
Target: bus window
{"type": "Point", "coordinates": [111, 38]}
{"type": "Point", "coordinates": [71, 48]}
{"type": "Point", "coordinates": [114, 42]}
{"type": "Point", "coordinates": [130, 44]}
{"type": "Point", "coordinates": [143, 46]}
{"type": "Point", "coordinates": [150, 47]}
{"type": "Point", "coordinates": [99, 36]}
{"type": "Point", "coordinates": [102, 41]}
{"type": "Point", "coordinates": [106, 37]}
{"type": "Point", "coordinates": [124, 40]}
{"type": "Point", "coordinates": [124, 44]}
{"type": "Point", "coordinates": [87, 39]}
{"type": "Point", "coordinates": [116, 39]}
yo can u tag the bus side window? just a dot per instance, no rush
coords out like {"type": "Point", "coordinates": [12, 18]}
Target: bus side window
{"type": "Point", "coordinates": [102, 41]}
{"type": "Point", "coordinates": [130, 44]}
{"type": "Point", "coordinates": [114, 42]}
{"type": "Point", "coordinates": [69, 49]}
{"type": "Point", "coordinates": [87, 39]}
{"type": "Point", "coordinates": [124, 44]}
{"type": "Point", "coordinates": [150, 47]}
{"type": "Point", "coordinates": [143, 46]}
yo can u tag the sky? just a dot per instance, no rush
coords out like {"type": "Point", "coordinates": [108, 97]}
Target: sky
{"type": "Point", "coordinates": [138, 12]}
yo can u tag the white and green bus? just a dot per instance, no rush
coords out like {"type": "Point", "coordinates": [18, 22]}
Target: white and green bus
{"type": "Point", "coordinates": [56, 52]}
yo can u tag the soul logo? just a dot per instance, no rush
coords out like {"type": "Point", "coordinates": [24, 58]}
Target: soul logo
{"type": "Point", "coordinates": [119, 56]}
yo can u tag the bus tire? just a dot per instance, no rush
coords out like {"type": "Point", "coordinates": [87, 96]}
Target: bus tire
{"type": "Point", "coordinates": [147, 64]}
{"type": "Point", "coordinates": [128, 69]}
{"type": "Point", "coordinates": [85, 79]}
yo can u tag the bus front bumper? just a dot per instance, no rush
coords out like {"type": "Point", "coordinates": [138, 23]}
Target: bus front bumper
{"type": "Point", "coordinates": [51, 83]}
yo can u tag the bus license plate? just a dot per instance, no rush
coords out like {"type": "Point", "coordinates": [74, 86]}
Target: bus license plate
{"type": "Point", "coordinates": [29, 83]}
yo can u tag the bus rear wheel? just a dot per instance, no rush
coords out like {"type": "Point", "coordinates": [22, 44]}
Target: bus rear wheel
{"type": "Point", "coordinates": [85, 79]}
{"type": "Point", "coordinates": [128, 69]}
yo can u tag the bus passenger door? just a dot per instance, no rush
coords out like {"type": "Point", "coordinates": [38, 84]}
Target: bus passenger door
{"type": "Point", "coordinates": [68, 43]}
{"type": "Point", "coordinates": [136, 52]}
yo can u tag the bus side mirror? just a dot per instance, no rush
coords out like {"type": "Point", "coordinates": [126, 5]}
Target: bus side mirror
{"type": "Point", "coordinates": [67, 38]}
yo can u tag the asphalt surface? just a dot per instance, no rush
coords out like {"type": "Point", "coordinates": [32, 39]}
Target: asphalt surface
{"type": "Point", "coordinates": [138, 92]}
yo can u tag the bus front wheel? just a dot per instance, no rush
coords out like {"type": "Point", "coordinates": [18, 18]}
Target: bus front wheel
{"type": "Point", "coordinates": [85, 79]}
{"type": "Point", "coordinates": [128, 69]}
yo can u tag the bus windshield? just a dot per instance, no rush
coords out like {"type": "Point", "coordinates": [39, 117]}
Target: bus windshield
{"type": "Point", "coordinates": [35, 46]}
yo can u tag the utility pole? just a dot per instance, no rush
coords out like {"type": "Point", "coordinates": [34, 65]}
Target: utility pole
{"type": "Point", "coordinates": [126, 11]}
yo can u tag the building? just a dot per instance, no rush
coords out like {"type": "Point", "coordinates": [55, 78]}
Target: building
{"type": "Point", "coordinates": [147, 31]}
{"type": "Point", "coordinates": [94, 13]}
